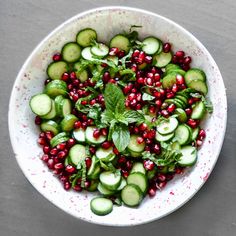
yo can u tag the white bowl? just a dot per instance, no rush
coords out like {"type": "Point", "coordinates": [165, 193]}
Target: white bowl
{"type": "Point", "coordinates": [109, 21]}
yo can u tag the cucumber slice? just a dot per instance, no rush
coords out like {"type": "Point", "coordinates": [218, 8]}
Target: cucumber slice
{"type": "Point", "coordinates": [190, 133]}
{"type": "Point", "coordinates": [82, 75]}
{"type": "Point", "coordinates": [55, 88]}
{"type": "Point", "coordinates": [138, 179]}
{"type": "Point", "coordinates": [182, 116]}
{"type": "Point", "coordinates": [110, 179]}
{"type": "Point", "coordinates": [195, 133]}
{"type": "Point", "coordinates": [163, 138]}
{"type": "Point", "coordinates": [89, 136]}
{"type": "Point", "coordinates": [87, 55]}
{"type": "Point", "coordinates": [93, 186]}
{"type": "Point", "coordinates": [101, 206]}
{"type": "Point", "coordinates": [94, 170]}
{"type": "Point", "coordinates": [100, 50]}
{"type": "Point", "coordinates": [52, 114]}
{"type": "Point", "coordinates": [134, 146]}
{"type": "Point", "coordinates": [199, 110]}
{"type": "Point", "coordinates": [178, 104]}
{"type": "Point", "coordinates": [106, 155]}
{"type": "Point", "coordinates": [176, 146]}
{"type": "Point", "coordinates": [56, 69]}
{"type": "Point", "coordinates": [167, 126]}
{"type": "Point", "coordinates": [105, 191]}
{"type": "Point", "coordinates": [182, 134]}
{"type": "Point", "coordinates": [183, 99]}
{"type": "Point", "coordinates": [138, 167]}
{"type": "Point", "coordinates": [199, 86]}
{"type": "Point", "coordinates": [178, 71]}
{"type": "Point", "coordinates": [123, 183]}
{"type": "Point", "coordinates": [67, 124]}
{"type": "Point", "coordinates": [58, 99]}
{"type": "Point", "coordinates": [86, 36]}
{"type": "Point", "coordinates": [79, 135]}
{"type": "Point", "coordinates": [171, 66]}
{"type": "Point", "coordinates": [169, 80]}
{"type": "Point", "coordinates": [162, 59]}
{"type": "Point", "coordinates": [66, 107]}
{"type": "Point", "coordinates": [71, 52]}
{"type": "Point", "coordinates": [77, 154]}
{"type": "Point", "coordinates": [40, 104]}
{"type": "Point", "coordinates": [121, 42]}
{"type": "Point", "coordinates": [131, 195]}
{"type": "Point", "coordinates": [150, 45]}
{"type": "Point", "coordinates": [194, 74]}
{"type": "Point", "coordinates": [189, 156]}
{"type": "Point", "coordinates": [160, 48]}
{"type": "Point", "coordinates": [50, 125]}
{"type": "Point", "coordinates": [135, 154]}
{"type": "Point", "coordinates": [113, 59]}
{"type": "Point", "coordinates": [55, 140]}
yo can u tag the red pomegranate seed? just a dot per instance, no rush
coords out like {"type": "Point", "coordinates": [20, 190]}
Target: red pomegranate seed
{"type": "Point", "coordinates": [131, 96]}
{"type": "Point", "coordinates": [77, 124]}
{"type": "Point", "coordinates": [61, 146]}
{"type": "Point", "coordinates": [96, 133]}
{"type": "Point", "coordinates": [121, 160]}
{"type": "Point", "coordinates": [84, 102]}
{"type": "Point", "coordinates": [170, 95]}
{"type": "Point", "coordinates": [47, 81]}
{"type": "Point", "coordinates": [128, 165]}
{"type": "Point", "coordinates": [185, 67]}
{"type": "Point", "coordinates": [152, 109]}
{"type": "Point", "coordinates": [121, 54]}
{"type": "Point", "coordinates": [133, 103]}
{"type": "Point", "coordinates": [113, 51]}
{"type": "Point", "coordinates": [180, 54]}
{"type": "Point", "coordinates": [165, 113]}
{"type": "Point", "coordinates": [42, 135]}
{"type": "Point", "coordinates": [136, 53]}
{"type": "Point", "coordinates": [148, 165]}
{"type": "Point", "coordinates": [157, 77]}
{"type": "Point", "coordinates": [134, 67]}
{"type": "Point", "coordinates": [56, 57]}
{"type": "Point", "coordinates": [156, 148]}
{"type": "Point", "coordinates": [45, 157]}
{"type": "Point", "coordinates": [202, 134]}
{"type": "Point", "coordinates": [138, 106]}
{"type": "Point", "coordinates": [147, 148]}
{"type": "Point", "coordinates": [151, 134]}
{"type": "Point", "coordinates": [125, 173]}
{"type": "Point", "coordinates": [140, 80]}
{"type": "Point", "coordinates": [50, 164]}
{"type": "Point", "coordinates": [198, 143]}
{"type": "Point", "coordinates": [149, 81]}
{"type": "Point", "coordinates": [115, 150]}
{"type": "Point", "coordinates": [106, 145]}
{"type": "Point", "coordinates": [175, 59]}
{"type": "Point", "coordinates": [188, 111]}
{"type": "Point", "coordinates": [67, 185]}
{"type": "Point", "coordinates": [61, 154]}
{"type": "Point", "coordinates": [153, 70]}
{"type": "Point", "coordinates": [92, 150]}
{"type": "Point", "coordinates": [70, 169]}
{"type": "Point", "coordinates": [166, 47]}
{"type": "Point", "coordinates": [161, 185]}
{"type": "Point", "coordinates": [136, 130]}
{"type": "Point", "coordinates": [141, 57]}
{"type": "Point", "coordinates": [126, 89]}
{"type": "Point", "coordinates": [171, 108]}
{"type": "Point", "coordinates": [38, 120]}
{"type": "Point", "coordinates": [157, 94]}
{"type": "Point", "coordinates": [158, 102]}
{"type": "Point", "coordinates": [140, 140]}
{"type": "Point", "coordinates": [175, 88]}
{"type": "Point", "coordinates": [58, 166]}
{"type": "Point", "coordinates": [148, 59]}
{"type": "Point", "coordinates": [70, 142]}
{"type": "Point", "coordinates": [106, 77]}
{"type": "Point", "coordinates": [42, 141]}
{"type": "Point", "coordinates": [151, 192]}
{"type": "Point", "coordinates": [190, 101]}
{"type": "Point", "coordinates": [192, 123]}
{"type": "Point", "coordinates": [46, 149]}
{"type": "Point", "coordinates": [179, 79]}
{"type": "Point", "coordinates": [54, 151]}
{"type": "Point", "coordinates": [87, 184]}
{"type": "Point", "coordinates": [161, 177]}
{"type": "Point", "coordinates": [49, 135]}
{"type": "Point", "coordinates": [77, 188]}
{"type": "Point", "coordinates": [73, 75]}
{"type": "Point", "coordinates": [187, 60]}
{"type": "Point", "coordinates": [104, 131]}
{"type": "Point", "coordinates": [164, 105]}
{"type": "Point", "coordinates": [179, 170]}
{"type": "Point", "coordinates": [150, 75]}
{"type": "Point", "coordinates": [88, 162]}
{"type": "Point", "coordinates": [148, 141]}
{"type": "Point", "coordinates": [143, 127]}
{"type": "Point", "coordinates": [145, 134]}
{"type": "Point", "coordinates": [158, 84]}
{"type": "Point", "coordinates": [84, 125]}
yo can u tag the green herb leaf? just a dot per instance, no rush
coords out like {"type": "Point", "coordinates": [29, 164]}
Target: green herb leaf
{"type": "Point", "coordinates": [107, 116]}
{"type": "Point", "coordinates": [132, 116]}
{"type": "Point", "coordinates": [208, 104]}
{"type": "Point", "coordinates": [147, 97]}
{"type": "Point", "coordinates": [121, 137]}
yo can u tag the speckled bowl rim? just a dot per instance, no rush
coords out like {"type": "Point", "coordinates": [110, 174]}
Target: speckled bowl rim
{"type": "Point", "coordinates": [135, 10]}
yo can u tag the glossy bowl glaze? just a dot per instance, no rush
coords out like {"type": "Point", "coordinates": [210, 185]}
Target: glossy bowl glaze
{"type": "Point", "coordinates": [107, 22]}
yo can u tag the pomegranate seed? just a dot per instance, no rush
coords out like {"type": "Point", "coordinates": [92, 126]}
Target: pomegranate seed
{"type": "Point", "coordinates": [140, 80]}
{"type": "Point", "coordinates": [88, 162]}
{"type": "Point", "coordinates": [121, 160]}
{"type": "Point", "coordinates": [190, 101]}
{"type": "Point", "coordinates": [157, 77]}
{"type": "Point", "coordinates": [58, 166]}
{"type": "Point", "coordinates": [166, 47]}
{"type": "Point", "coordinates": [141, 57]}
{"type": "Point", "coordinates": [45, 157]}
{"type": "Point", "coordinates": [49, 135]}
{"type": "Point", "coordinates": [87, 184]}
{"type": "Point", "coordinates": [106, 77]}
{"type": "Point", "coordinates": [115, 150]}
{"type": "Point", "coordinates": [54, 151]}
{"type": "Point", "coordinates": [134, 67]}
{"type": "Point", "coordinates": [170, 95]}
{"type": "Point", "coordinates": [92, 150]}
{"type": "Point", "coordinates": [164, 105]}
{"type": "Point", "coordinates": [179, 79]}
{"type": "Point", "coordinates": [84, 103]}
{"type": "Point", "coordinates": [47, 81]}
{"type": "Point", "coordinates": [187, 60]}
{"type": "Point", "coordinates": [136, 130]}
{"type": "Point", "coordinates": [77, 125]}
{"type": "Point", "coordinates": [147, 148]}
{"type": "Point", "coordinates": [37, 120]}
{"type": "Point", "coordinates": [156, 148]}
{"type": "Point", "coordinates": [149, 81]}
{"type": "Point", "coordinates": [151, 192]}
{"type": "Point", "coordinates": [143, 127]}
{"type": "Point", "coordinates": [133, 90]}
{"type": "Point", "coordinates": [185, 67]}
{"type": "Point", "coordinates": [131, 96]}
{"type": "Point", "coordinates": [70, 169]}
{"type": "Point", "coordinates": [127, 103]}
{"type": "Point", "coordinates": [70, 142]}
{"type": "Point", "coordinates": [188, 111]}
{"type": "Point", "coordinates": [151, 134]}
{"type": "Point", "coordinates": [50, 164]}
{"type": "Point", "coordinates": [175, 88]}
{"type": "Point", "coordinates": [56, 57]}
{"type": "Point", "coordinates": [161, 177]}
{"type": "Point", "coordinates": [42, 141]}
{"type": "Point", "coordinates": [92, 102]}
{"type": "Point", "coordinates": [161, 185]}
{"type": "Point", "coordinates": [158, 102]}
{"type": "Point", "coordinates": [126, 89]}
{"type": "Point", "coordinates": [157, 94]}
{"type": "Point", "coordinates": [106, 145]}
{"type": "Point", "coordinates": [171, 108]}
{"type": "Point", "coordinates": [120, 54]}
{"type": "Point", "coordinates": [201, 134]}
{"type": "Point", "coordinates": [140, 140]}
{"type": "Point", "coordinates": [148, 141]}
{"type": "Point", "coordinates": [46, 149]}
{"type": "Point", "coordinates": [138, 106]}
{"type": "Point", "coordinates": [67, 185]}
{"type": "Point", "coordinates": [96, 133]}
{"type": "Point", "coordinates": [61, 154]}
{"type": "Point", "coordinates": [152, 109]}
{"type": "Point", "coordinates": [198, 143]}
{"type": "Point", "coordinates": [158, 84]}
{"type": "Point", "coordinates": [125, 173]}
{"type": "Point", "coordinates": [150, 75]}
{"type": "Point", "coordinates": [113, 51]}
{"type": "Point", "coordinates": [77, 188]}
{"type": "Point", "coordinates": [174, 59]}
{"type": "Point", "coordinates": [65, 76]}
{"type": "Point", "coordinates": [42, 135]}
{"type": "Point", "coordinates": [153, 70]}
{"type": "Point", "coordinates": [61, 146]}
{"type": "Point", "coordinates": [192, 123]}
{"type": "Point", "coordinates": [179, 170]}
{"type": "Point", "coordinates": [180, 54]}
{"type": "Point", "coordinates": [145, 134]}
{"type": "Point", "coordinates": [148, 165]}
{"type": "Point", "coordinates": [84, 125]}
{"type": "Point", "coordinates": [136, 53]}
{"type": "Point", "coordinates": [133, 103]}
{"type": "Point", "coordinates": [104, 131]}
{"type": "Point", "coordinates": [129, 165]}
{"type": "Point", "coordinates": [165, 113]}
{"type": "Point", "coordinates": [148, 59]}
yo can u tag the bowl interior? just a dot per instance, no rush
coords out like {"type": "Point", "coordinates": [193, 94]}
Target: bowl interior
{"type": "Point", "coordinates": [108, 22]}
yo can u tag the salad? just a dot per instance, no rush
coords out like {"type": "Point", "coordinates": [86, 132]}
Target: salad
{"type": "Point", "coordinates": [121, 119]}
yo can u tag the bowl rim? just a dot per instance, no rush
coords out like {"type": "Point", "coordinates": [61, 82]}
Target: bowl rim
{"type": "Point", "coordinates": [58, 28]}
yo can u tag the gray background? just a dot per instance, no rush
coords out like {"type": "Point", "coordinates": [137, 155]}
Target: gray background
{"type": "Point", "coordinates": [23, 211]}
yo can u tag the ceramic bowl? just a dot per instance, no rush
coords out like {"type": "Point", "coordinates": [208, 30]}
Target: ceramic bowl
{"type": "Point", "coordinates": [109, 21]}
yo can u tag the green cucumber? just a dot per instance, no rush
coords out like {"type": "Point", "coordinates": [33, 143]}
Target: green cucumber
{"type": "Point", "coordinates": [101, 206]}
{"type": "Point", "coordinates": [55, 70]}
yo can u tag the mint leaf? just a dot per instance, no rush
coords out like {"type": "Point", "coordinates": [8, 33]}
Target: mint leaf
{"type": "Point", "coordinates": [121, 137]}
{"type": "Point", "coordinates": [147, 97]}
{"type": "Point", "coordinates": [107, 116]}
{"type": "Point", "coordinates": [114, 97]}
{"type": "Point", "coordinates": [132, 116]}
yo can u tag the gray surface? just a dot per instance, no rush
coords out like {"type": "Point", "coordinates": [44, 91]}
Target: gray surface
{"type": "Point", "coordinates": [23, 211]}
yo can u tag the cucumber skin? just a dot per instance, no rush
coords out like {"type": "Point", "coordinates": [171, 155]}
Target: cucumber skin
{"type": "Point", "coordinates": [137, 189]}
{"type": "Point", "coordinates": [101, 212]}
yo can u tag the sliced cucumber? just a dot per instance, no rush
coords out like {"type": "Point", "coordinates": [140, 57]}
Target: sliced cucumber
{"type": "Point", "coordinates": [113, 59]}
{"type": "Point", "coordinates": [194, 74]}
{"type": "Point", "coordinates": [57, 139]}
{"type": "Point", "coordinates": [182, 116]}
{"type": "Point", "coordinates": [56, 69]}
{"type": "Point", "coordinates": [160, 48]}
{"type": "Point", "coordinates": [138, 167]}
{"type": "Point", "coordinates": [167, 126]}
{"type": "Point", "coordinates": [163, 138]}
{"type": "Point", "coordinates": [199, 110]}
{"type": "Point", "coordinates": [135, 154]}
{"type": "Point", "coordinates": [52, 114]}
{"type": "Point", "coordinates": [77, 154]}
{"type": "Point", "coordinates": [189, 156]}
{"type": "Point", "coordinates": [67, 124]}
{"type": "Point", "coordinates": [40, 104]}
{"type": "Point", "coordinates": [182, 134]}
{"type": "Point", "coordinates": [183, 99]}
{"type": "Point", "coordinates": [123, 183]}
{"type": "Point", "coordinates": [58, 99]}
{"type": "Point", "coordinates": [86, 36]}
{"type": "Point", "coordinates": [169, 80]}
{"type": "Point", "coordinates": [71, 52]}
{"type": "Point", "coordinates": [199, 86]}
{"type": "Point", "coordinates": [94, 169]}
{"type": "Point", "coordinates": [195, 133]}
{"type": "Point", "coordinates": [138, 179]}
{"type": "Point", "coordinates": [105, 191]}
{"type": "Point", "coordinates": [55, 88]}
{"type": "Point", "coordinates": [93, 185]}
{"type": "Point", "coordinates": [110, 179]}
{"type": "Point", "coordinates": [101, 206]}
{"type": "Point", "coordinates": [176, 146]}
{"type": "Point", "coordinates": [131, 195]}
{"type": "Point", "coordinates": [50, 125]}
{"type": "Point", "coordinates": [177, 71]}
{"type": "Point", "coordinates": [162, 59]}
{"type": "Point", "coordinates": [151, 45]}
{"type": "Point", "coordinates": [121, 42]}
{"type": "Point", "coordinates": [100, 50]}
{"type": "Point", "coordinates": [171, 66]}
{"type": "Point", "coordinates": [87, 55]}
{"type": "Point", "coordinates": [66, 107]}
{"type": "Point", "coordinates": [105, 155]}
{"type": "Point", "coordinates": [178, 104]}
{"type": "Point", "coordinates": [79, 135]}
{"type": "Point", "coordinates": [89, 136]}
{"type": "Point", "coordinates": [134, 146]}
{"type": "Point", "coordinates": [82, 75]}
